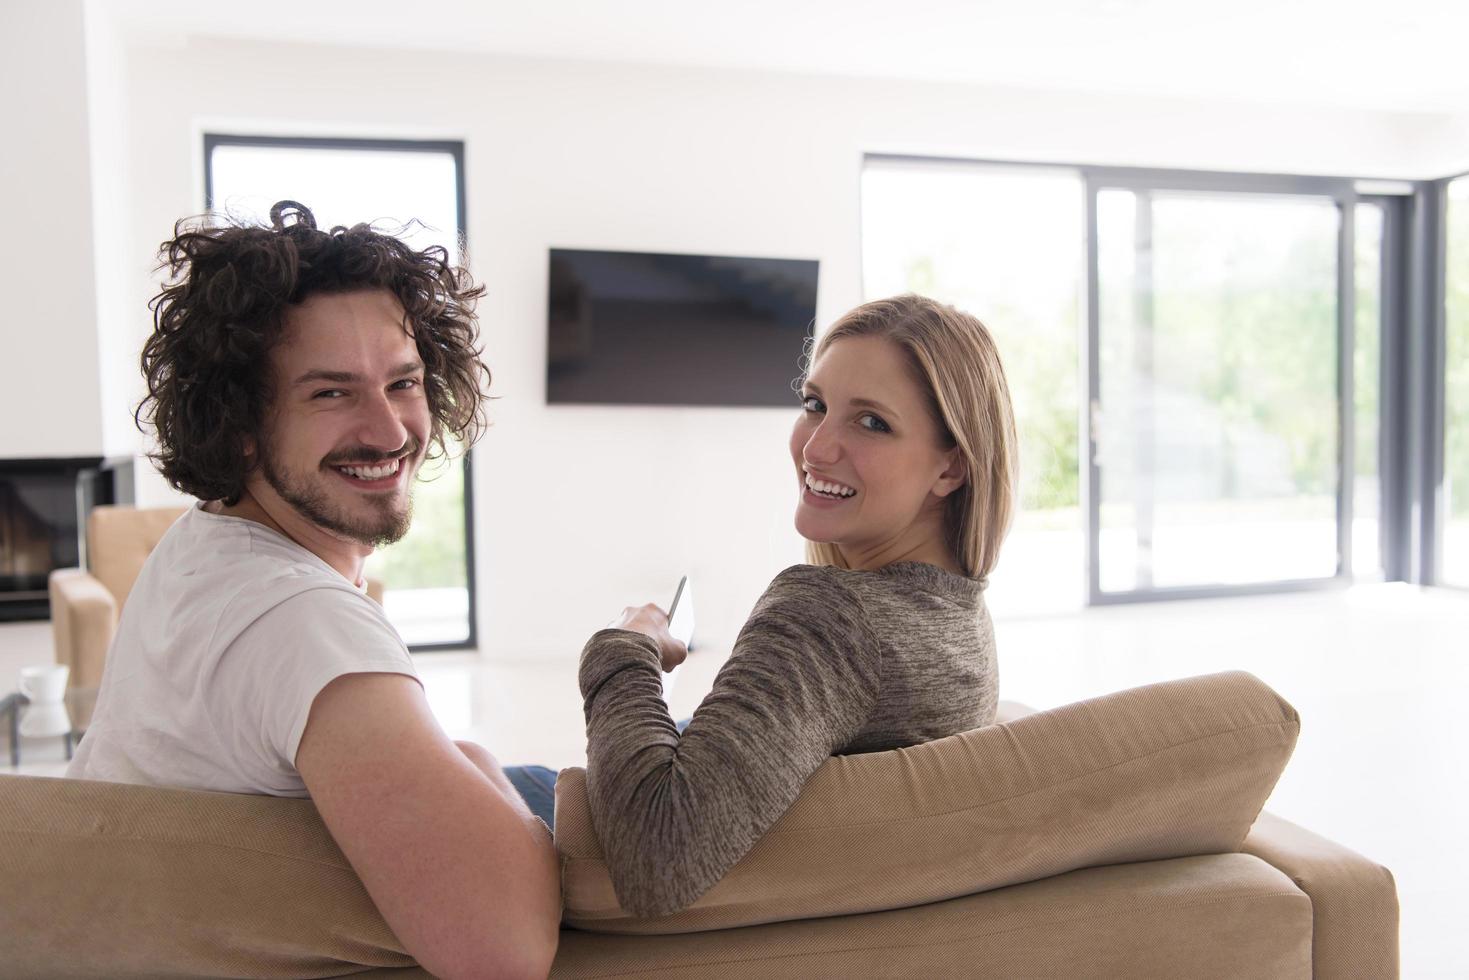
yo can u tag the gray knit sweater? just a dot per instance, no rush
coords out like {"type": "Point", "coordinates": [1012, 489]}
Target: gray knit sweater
{"type": "Point", "coordinates": [830, 662]}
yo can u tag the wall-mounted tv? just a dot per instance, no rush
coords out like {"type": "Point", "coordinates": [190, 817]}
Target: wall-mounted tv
{"type": "Point", "coordinates": [639, 328]}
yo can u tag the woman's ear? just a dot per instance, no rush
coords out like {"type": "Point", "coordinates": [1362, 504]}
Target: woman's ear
{"type": "Point", "coordinates": [954, 476]}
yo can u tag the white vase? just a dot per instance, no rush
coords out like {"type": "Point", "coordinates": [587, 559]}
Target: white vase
{"type": "Point", "coordinates": [45, 721]}
{"type": "Point", "coordinates": [44, 684]}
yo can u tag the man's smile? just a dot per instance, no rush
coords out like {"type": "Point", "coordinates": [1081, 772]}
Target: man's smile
{"type": "Point", "coordinates": [374, 471]}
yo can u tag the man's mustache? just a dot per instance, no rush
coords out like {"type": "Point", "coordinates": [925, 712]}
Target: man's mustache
{"type": "Point", "coordinates": [362, 456]}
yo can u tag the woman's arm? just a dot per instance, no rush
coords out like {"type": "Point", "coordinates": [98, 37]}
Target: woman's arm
{"type": "Point", "coordinates": [674, 814]}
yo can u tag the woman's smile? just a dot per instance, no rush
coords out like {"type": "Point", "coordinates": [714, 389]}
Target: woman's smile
{"type": "Point", "coordinates": [821, 488]}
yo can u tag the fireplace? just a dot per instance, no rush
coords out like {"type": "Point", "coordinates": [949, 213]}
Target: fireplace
{"type": "Point", "coordinates": [43, 517]}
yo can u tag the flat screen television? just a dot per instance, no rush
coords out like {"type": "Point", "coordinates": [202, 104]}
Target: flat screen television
{"type": "Point", "coordinates": [641, 328]}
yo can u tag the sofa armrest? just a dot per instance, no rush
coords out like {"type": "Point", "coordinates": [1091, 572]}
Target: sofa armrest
{"type": "Point", "coordinates": [83, 618]}
{"type": "Point", "coordinates": [1354, 903]}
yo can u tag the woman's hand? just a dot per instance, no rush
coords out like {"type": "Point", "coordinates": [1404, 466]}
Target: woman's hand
{"type": "Point", "coordinates": [652, 622]}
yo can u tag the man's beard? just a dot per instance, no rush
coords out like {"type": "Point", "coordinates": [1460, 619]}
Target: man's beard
{"type": "Point", "coordinates": [311, 501]}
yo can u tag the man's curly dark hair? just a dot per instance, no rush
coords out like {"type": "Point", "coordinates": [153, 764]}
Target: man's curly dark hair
{"type": "Point", "coordinates": [207, 361]}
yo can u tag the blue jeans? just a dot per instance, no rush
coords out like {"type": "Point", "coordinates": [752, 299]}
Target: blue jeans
{"type": "Point", "coordinates": [537, 786]}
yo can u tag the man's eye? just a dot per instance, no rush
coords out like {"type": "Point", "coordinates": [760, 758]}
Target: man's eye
{"type": "Point", "coordinates": [329, 393]}
{"type": "Point", "coordinates": [812, 404]}
{"type": "Point", "coordinates": [874, 423]}
{"type": "Point", "coordinates": [405, 384]}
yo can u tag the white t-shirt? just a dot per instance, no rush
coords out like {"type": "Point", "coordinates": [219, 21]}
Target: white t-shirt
{"type": "Point", "coordinates": [225, 640]}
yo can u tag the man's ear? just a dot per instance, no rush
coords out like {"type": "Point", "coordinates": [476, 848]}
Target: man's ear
{"type": "Point", "coordinates": [249, 449]}
{"type": "Point", "coordinates": [954, 476]}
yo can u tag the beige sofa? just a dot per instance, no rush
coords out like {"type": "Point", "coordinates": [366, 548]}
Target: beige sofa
{"type": "Point", "coordinates": [1118, 837]}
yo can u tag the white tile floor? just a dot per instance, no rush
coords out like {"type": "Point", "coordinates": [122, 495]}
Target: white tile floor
{"type": "Point", "coordinates": [1380, 675]}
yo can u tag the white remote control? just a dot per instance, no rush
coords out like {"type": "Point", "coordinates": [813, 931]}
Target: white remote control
{"type": "Point", "coordinates": [680, 626]}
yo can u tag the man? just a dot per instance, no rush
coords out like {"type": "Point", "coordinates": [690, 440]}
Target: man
{"type": "Point", "coordinates": [297, 380]}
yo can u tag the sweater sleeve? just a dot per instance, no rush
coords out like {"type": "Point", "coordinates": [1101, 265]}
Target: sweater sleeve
{"type": "Point", "coordinates": [674, 814]}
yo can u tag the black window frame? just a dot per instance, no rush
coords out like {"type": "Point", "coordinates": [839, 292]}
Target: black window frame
{"type": "Point", "coordinates": [455, 149]}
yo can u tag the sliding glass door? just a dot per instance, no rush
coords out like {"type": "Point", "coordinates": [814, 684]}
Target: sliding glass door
{"type": "Point", "coordinates": [1196, 362]}
{"type": "Point", "coordinates": [1217, 416]}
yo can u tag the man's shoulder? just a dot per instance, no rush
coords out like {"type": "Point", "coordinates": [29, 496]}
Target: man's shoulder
{"type": "Point", "coordinates": [234, 557]}
{"type": "Point", "coordinates": [291, 602]}
{"type": "Point", "coordinates": [214, 581]}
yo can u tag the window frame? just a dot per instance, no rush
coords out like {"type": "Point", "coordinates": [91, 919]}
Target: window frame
{"type": "Point", "coordinates": [1341, 192]}
{"type": "Point", "coordinates": [1431, 282]}
{"type": "Point", "coordinates": [455, 149]}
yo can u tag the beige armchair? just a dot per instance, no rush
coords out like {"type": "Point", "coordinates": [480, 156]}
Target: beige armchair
{"type": "Point", "coordinates": [85, 603]}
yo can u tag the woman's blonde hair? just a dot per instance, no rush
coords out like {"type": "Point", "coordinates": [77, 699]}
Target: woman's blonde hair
{"type": "Point", "coordinates": [954, 359]}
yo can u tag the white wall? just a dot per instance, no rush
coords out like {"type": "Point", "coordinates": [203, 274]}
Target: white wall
{"type": "Point", "coordinates": [117, 268]}
{"type": "Point", "coordinates": [1446, 148]}
{"type": "Point", "coordinates": [48, 403]}
{"type": "Point", "coordinates": [583, 510]}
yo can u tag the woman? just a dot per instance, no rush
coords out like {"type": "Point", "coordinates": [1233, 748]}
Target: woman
{"type": "Point", "coordinates": [905, 463]}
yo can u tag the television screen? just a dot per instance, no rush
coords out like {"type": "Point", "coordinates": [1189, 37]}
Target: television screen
{"type": "Point", "coordinates": [638, 328]}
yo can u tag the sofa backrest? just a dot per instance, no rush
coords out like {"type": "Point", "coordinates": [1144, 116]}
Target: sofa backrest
{"type": "Point", "coordinates": [119, 540]}
{"type": "Point", "coordinates": [115, 880]}
{"type": "Point", "coordinates": [1169, 770]}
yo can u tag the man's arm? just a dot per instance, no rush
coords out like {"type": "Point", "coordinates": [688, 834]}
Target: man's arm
{"type": "Point", "coordinates": [463, 873]}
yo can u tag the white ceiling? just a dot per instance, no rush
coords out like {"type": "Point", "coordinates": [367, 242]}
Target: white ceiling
{"type": "Point", "coordinates": [1396, 55]}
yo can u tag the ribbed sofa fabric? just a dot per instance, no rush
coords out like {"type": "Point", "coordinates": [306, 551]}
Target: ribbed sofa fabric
{"type": "Point", "coordinates": [113, 880]}
{"type": "Point", "coordinates": [1170, 770]}
{"type": "Point", "coordinates": [1354, 900]}
{"type": "Point", "coordinates": [1218, 917]}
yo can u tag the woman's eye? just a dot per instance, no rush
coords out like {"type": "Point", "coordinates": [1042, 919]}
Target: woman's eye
{"type": "Point", "coordinates": [873, 423]}
{"type": "Point", "coordinates": [812, 404]}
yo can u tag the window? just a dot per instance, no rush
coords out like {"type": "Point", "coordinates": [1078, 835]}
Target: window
{"type": "Point", "coordinates": [1006, 246]}
{"type": "Point", "coordinates": [1455, 536]}
{"type": "Point", "coordinates": [429, 574]}
{"type": "Point", "coordinates": [1218, 422]}
{"type": "Point", "coordinates": [1188, 354]}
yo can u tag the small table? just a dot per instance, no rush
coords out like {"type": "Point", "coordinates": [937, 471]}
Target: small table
{"type": "Point", "coordinates": [10, 706]}
{"type": "Point", "coordinates": [10, 709]}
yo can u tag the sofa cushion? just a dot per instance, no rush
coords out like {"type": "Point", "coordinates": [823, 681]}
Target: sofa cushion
{"type": "Point", "coordinates": [1216, 917]}
{"type": "Point", "coordinates": [1170, 770]}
